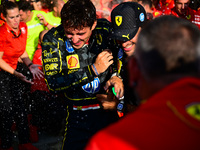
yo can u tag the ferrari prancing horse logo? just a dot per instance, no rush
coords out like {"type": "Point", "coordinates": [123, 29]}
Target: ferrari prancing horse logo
{"type": "Point", "coordinates": [118, 20]}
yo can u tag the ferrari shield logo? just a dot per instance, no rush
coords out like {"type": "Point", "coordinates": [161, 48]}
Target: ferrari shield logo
{"type": "Point", "coordinates": [118, 20]}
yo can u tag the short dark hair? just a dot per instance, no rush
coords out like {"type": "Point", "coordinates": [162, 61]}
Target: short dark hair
{"type": "Point", "coordinates": [8, 5]}
{"type": "Point", "coordinates": [25, 5]}
{"type": "Point", "coordinates": [168, 46]}
{"type": "Point", "coordinates": [78, 13]}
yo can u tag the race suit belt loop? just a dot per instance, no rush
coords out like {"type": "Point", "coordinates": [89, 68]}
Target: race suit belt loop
{"type": "Point", "coordinates": [87, 107]}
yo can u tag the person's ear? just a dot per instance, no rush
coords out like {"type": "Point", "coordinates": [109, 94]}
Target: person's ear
{"type": "Point", "coordinates": [94, 25]}
{"type": "Point", "coordinates": [28, 12]}
{"type": "Point", "coordinates": [133, 71]}
{"type": "Point", "coordinates": [55, 9]}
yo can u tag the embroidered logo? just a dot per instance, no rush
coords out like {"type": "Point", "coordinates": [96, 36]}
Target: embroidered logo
{"type": "Point", "coordinates": [126, 36]}
{"type": "Point", "coordinates": [194, 110]}
{"type": "Point", "coordinates": [118, 20]}
{"type": "Point", "coordinates": [69, 48]}
{"type": "Point", "coordinates": [188, 17]}
{"type": "Point", "coordinates": [73, 61]}
{"type": "Point", "coordinates": [142, 17]}
{"type": "Point", "coordinates": [23, 30]}
{"type": "Point", "coordinates": [92, 87]}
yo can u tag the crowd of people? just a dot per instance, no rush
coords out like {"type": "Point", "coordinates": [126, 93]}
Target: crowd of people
{"type": "Point", "coordinates": [88, 63]}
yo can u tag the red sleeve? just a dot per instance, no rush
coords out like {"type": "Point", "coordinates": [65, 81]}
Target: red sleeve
{"type": "Point", "coordinates": [2, 39]}
{"type": "Point", "coordinates": [37, 58]}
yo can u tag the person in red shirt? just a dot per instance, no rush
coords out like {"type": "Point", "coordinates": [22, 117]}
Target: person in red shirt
{"type": "Point", "coordinates": [12, 47]}
{"type": "Point", "coordinates": [166, 72]}
{"type": "Point", "coordinates": [182, 10]}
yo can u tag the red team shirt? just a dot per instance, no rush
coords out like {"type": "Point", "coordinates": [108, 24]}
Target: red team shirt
{"type": "Point", "coordinates": [13, 47]}
{"type": "Point", "coordinates": [169, 120]}
{"type": "Point", "coordinates": [191, 15]}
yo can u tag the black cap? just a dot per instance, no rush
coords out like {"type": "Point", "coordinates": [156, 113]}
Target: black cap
{"type": "Point", "coordinates": [126, 19]}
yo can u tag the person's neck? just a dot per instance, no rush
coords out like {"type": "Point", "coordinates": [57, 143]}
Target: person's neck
{"type": "Point", "coordinates": [16, 31]}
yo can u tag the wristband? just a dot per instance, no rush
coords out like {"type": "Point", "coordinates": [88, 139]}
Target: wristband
{"type": "Point", "coordinates": [29, 64]}
{"type": "Point", "coordinates": [95, 69]}
{"type": "Point", "coordinates": [116, 74]}
{"type": "Point", "coordinates": [46, 24]}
